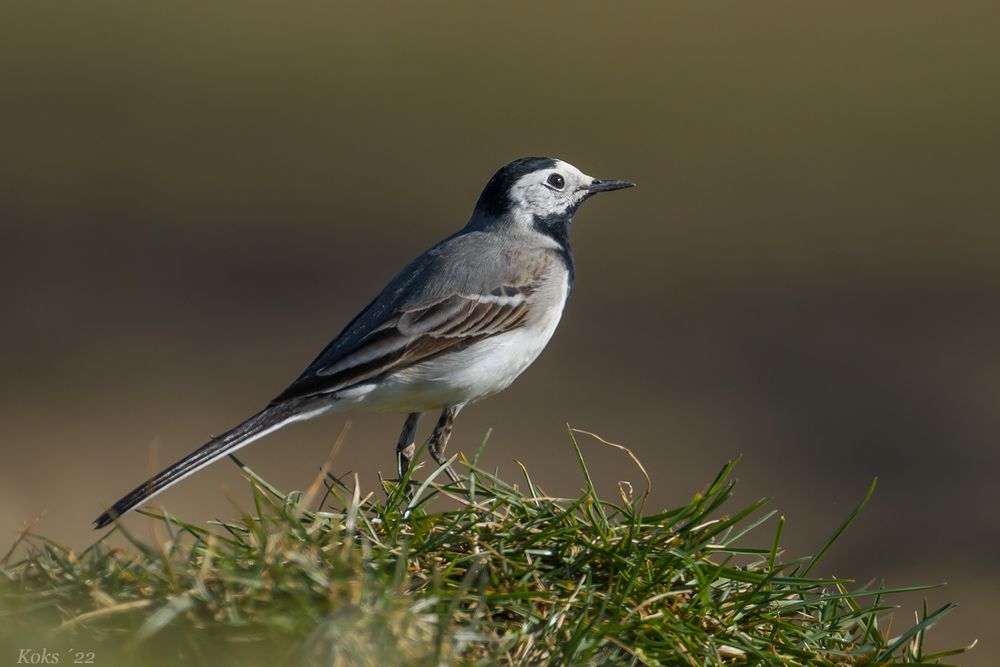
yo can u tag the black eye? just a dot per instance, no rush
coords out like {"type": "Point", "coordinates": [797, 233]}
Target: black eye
{"type": "Point", "coordinates": [557, 181]}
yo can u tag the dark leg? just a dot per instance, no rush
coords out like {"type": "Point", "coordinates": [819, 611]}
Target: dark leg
{"type": "Point", "coordinates": [406, 446]}
{"type": "Point", "coordinates": [439, 439]}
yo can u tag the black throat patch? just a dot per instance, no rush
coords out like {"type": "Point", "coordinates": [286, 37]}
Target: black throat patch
{"type": "Point", "coordinates": [556, 227]}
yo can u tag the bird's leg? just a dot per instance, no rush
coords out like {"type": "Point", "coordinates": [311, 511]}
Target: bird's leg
{"type": "Point", "coordinates": [406, 446]}
{"type": "Point", "coordinates": [439, 439]}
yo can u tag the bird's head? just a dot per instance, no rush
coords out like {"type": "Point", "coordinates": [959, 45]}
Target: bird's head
{"type": "Point", "coordinates": [530, 188]}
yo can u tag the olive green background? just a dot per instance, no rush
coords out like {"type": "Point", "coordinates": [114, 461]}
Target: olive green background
{"type": "Point", "coordinates": [196, 196]}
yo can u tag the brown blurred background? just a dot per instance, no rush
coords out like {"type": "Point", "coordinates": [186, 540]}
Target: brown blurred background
{"type": "Point", "coordinates": [195, 198]}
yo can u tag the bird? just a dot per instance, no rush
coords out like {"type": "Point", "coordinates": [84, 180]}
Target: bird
{"type": "Point", "coordinates": [456, 325]}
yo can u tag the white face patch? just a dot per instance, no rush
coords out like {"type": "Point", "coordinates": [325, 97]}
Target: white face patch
{"type": "Point", "coordinates": [549, 191]}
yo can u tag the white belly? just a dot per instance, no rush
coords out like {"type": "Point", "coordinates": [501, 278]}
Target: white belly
{"type": "Point", "coordinates": [463, 376]}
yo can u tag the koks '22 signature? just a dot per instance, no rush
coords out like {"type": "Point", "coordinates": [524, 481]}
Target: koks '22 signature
{"type": "Point", "coordinates": [43, 656]}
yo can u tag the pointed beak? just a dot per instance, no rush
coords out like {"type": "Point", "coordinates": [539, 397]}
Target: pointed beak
{"type": "Point", "coordinates": [598, 185]}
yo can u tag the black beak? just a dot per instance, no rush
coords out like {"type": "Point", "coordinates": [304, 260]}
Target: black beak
{"type": "Point", "coordinates": [607, 186]}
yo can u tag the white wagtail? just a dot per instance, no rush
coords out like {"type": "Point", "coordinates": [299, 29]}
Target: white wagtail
{"type": "Point", "coordinates": [458, 324]}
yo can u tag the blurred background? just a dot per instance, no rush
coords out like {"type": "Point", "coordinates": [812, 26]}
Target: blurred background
{"type": "Point", "coordinates": [195, 198]}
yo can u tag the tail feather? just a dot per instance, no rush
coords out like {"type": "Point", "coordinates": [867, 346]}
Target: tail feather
{"type": "Point", "coordinates": [267, 420]}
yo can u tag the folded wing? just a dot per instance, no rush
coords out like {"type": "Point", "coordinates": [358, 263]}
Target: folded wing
{"type": "Point", "coordinates": [413, 334]}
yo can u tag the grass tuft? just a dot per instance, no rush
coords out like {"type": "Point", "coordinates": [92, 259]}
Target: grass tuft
{"type": "Point", "coordinates": [479, 574]}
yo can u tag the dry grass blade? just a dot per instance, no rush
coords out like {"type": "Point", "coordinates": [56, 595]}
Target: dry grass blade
{"type": "Point", "coordinates": [104, 611]}
{"type": "Point", "coordinates": [635, 459]}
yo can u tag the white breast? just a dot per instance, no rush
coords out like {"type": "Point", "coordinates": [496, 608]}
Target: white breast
{"type": "Point", "coordinates": [467, 375]}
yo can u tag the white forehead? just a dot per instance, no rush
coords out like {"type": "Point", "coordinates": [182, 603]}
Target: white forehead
{"type": "Point", "coordinates": [565, 168]}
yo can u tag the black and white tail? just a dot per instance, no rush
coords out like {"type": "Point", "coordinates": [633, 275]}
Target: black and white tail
{"type": "Point", "coordinates": [266, 421]}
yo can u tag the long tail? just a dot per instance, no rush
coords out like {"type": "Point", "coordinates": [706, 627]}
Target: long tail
{"type": "Point", "coordinates": [266, 421]}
